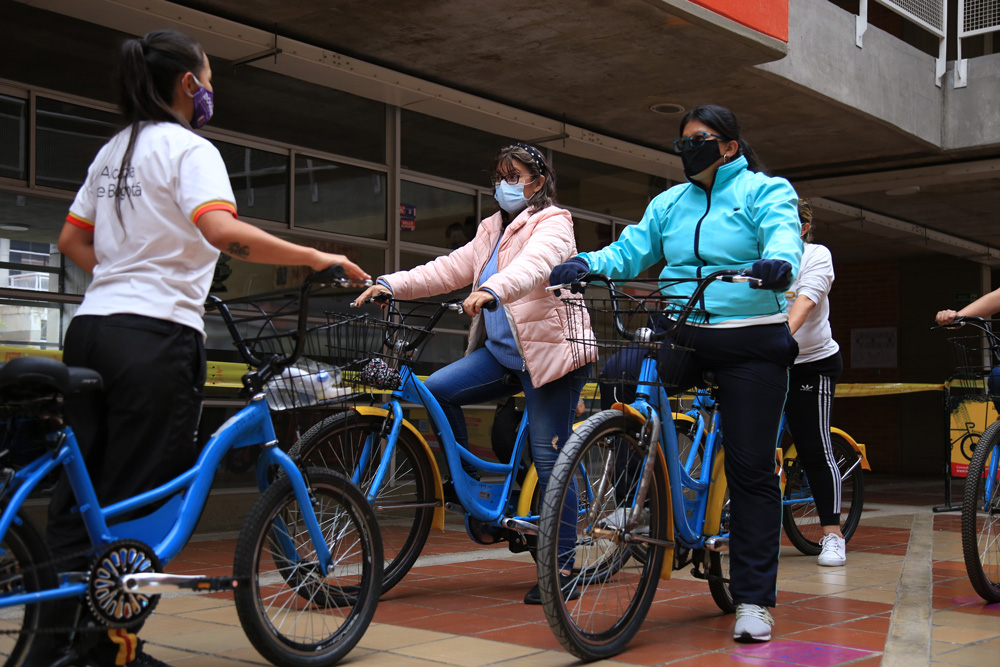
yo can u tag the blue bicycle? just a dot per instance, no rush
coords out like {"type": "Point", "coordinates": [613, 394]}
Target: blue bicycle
{"type": "Point", "coordinates": [305, 578]}
{"type": "Point", "coordinates": [653, 508]}
{"type": "Point", "coordinates": [389, 459]}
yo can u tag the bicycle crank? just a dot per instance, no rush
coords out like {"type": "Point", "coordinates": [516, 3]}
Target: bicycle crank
{"type": "Point", "coordinates": [109, 600]}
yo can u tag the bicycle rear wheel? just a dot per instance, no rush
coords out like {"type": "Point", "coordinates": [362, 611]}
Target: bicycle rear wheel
{"type": "Point", "coordinates": [981, 516]}
{"type": "Point", "coordinates": [800, 517]}
{"type": "Point", "coordinates": [23, 569]}
{"type": "Point", "coordinates": [404, 504]}
{"type": "Point", "coordinates": [616, 583]}
{"type": "Point", "coordinates": [294, 614]}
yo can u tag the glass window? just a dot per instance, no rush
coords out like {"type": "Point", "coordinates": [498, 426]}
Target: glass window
{"type": "Point", "coordinates": [436, 217]}
{"type": "Point", "coordinates": [604, 188]}
{"type": "Point", "coordinates": [35, 324]}
{"type": "Point", "coordinates": [434, 146]}
{"type": "Point", "coordinates": [68, 137]}
{"type": "Point", "coordinates": [487, 205]}
{"type": "Point", "coordinates": [13, 137]}
{"type": "Point", "coordinates": [590, 234]}
{"type": "Point", "coordinates": [259, 180]}
{"type": "Point", "coordinates": [339, 198]}
{"type": "Point", "coordinates": [264, 104]}
{"type": "Point", "coordinates": [29, 258]}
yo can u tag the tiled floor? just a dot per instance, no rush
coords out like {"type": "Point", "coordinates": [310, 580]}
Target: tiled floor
{"type": "Point", "coordinates": [903, 599]}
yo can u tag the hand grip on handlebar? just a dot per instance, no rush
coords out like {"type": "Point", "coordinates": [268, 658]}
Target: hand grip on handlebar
{"type": "Point", "coordinates": [491, 305]}
{"type": "Point", "coordinates": [959, 321]}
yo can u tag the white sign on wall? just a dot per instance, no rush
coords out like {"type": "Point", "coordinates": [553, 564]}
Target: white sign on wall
{"type": "Point", "coordinates": [873, 348]}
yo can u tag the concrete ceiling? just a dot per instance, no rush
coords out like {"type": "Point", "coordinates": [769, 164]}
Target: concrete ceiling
{"type": "Point", "coordinates": [600, 65]}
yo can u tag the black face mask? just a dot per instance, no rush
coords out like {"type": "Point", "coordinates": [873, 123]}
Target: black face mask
{"type": "Point", "coordinates": [697, 160]}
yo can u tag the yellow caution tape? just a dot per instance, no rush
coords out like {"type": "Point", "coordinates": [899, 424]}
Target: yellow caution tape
{"type": "Point", "coordinates": [228, 375]}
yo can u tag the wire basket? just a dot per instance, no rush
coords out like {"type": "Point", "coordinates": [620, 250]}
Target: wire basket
{"type": "Point", "coordinates": [619, 360]}
{"type": "Point", "coordinates": [372, 351]}
{"type": "Point", "coordinates": [976, 374]}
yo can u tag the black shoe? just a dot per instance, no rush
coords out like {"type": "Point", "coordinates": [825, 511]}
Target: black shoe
{"type": "Point", "coordinates": [569, 585]}
{"type": "Point", "coordinates": [146, 660]}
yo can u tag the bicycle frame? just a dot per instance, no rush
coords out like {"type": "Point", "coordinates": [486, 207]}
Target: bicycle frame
{"type": "Point", "coordinates": [689, 515]}
{"type": "Point", "coordinates": [168, 528]}
{"type": "Point", "coordinates": [483, 501]}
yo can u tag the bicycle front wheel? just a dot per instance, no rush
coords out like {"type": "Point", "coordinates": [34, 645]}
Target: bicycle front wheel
{"type": "Point", "coordinates": [617, 552]}
{"type": "Point", "coordinates": [981, 516]}
{"type": "Point", "coordinates": [294, 614]}
{"type": "Point", "coordinates": [403, 504]}
{"type": "Point", "coordinates": [23, 569]}
{"type": "Point", "coordinates": [800, 516]}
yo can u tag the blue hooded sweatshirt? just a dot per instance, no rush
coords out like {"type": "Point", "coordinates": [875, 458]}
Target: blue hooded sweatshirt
{"type": "Point", "coordinates": [745, 217]}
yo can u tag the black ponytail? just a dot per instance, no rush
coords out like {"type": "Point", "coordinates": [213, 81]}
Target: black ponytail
{"type": "Point", "coordinates": [723, 122]}
{"type": "Point", "coordinates": [147, 75]}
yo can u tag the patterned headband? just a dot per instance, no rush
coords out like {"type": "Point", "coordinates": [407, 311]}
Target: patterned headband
{"type": "Point", "coordinates": [534, 153]}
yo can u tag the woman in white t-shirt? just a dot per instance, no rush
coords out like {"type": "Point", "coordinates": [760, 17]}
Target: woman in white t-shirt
{"type": "Point", "coordinates": [811, 385]}
{"type": "Point", "coordinates": [149, 222]}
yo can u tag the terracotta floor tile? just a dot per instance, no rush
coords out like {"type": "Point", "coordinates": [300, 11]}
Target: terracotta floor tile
{"type": "Point", "coordinates": [534, 635]}
{"type": "Point", "coordinates": [653, 653]}
{"type": "Point", "coordinates": [868, 624]}
{"type": "Point", "coordinates": [461, 624]}
{"type": "Point", "coordinates": [395, 613]}
{"type": "Point", "coordinates": [837, 636]}
{"type": "Point", "coordinates": [844, 605]}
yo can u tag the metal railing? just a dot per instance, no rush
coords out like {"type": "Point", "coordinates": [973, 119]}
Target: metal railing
{"type": "Point", "coordinates": [931, 15]}
{"type": "Point", "coordinates": [975, 17]}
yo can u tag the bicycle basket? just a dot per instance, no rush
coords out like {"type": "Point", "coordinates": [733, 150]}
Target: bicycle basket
{"type": "Point", "coordinates": [975, 361]}
{"type": "Point", "coordinates": [638, 306]}
{"type": "Point", "coordinates": [268, 326]}
{"type": "Point", "coordinates": [372, 351]}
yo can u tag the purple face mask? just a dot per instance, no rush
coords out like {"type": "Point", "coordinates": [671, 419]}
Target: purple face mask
{"type": "Point", "coordinates": [204, 106]}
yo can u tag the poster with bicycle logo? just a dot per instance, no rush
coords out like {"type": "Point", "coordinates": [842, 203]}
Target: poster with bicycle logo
{"type": "Point", "coordinates": [969, 418]}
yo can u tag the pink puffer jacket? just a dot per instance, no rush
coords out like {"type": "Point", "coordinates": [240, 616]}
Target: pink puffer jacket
{"type": "Point", "coordinates": [533, 244]}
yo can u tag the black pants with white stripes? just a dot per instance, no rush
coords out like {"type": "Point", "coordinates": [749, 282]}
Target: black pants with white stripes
{"type": "Point", "coordinates": [810, 402]}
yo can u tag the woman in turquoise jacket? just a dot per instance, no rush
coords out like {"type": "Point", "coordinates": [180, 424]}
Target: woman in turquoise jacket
{"type": "Point", "coordinates": [730, 215]}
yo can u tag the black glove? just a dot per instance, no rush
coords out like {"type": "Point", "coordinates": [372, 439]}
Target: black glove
{"type": "Point", "coordinates": [774, 274]}
{"type": "Point", "coordinates": [569, 271]}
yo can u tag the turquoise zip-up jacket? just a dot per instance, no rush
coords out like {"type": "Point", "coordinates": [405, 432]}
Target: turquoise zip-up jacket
{"type": "Point", "coordinates": [747, 216]}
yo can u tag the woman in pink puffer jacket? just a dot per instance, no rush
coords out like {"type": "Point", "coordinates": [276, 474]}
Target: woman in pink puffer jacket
{"type": "Point", "coordinates": [509, 261]}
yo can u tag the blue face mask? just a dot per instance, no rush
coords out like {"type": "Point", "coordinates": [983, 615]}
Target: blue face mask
{"type": "Point", "coordinates": [510, 197]}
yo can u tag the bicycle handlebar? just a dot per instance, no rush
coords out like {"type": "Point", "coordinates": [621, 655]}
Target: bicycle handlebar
{"type": "Point", "coordinates": [724, 275]}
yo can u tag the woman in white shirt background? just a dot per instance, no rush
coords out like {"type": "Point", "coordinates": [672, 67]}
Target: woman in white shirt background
{"type": "Point", "coordinates": [149, 222]}
{"type": "Point", "coordinates": [811, 386]}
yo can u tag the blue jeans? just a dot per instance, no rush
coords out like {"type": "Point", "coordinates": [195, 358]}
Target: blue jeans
{"type": "Point", "coordinates": [551, 408]}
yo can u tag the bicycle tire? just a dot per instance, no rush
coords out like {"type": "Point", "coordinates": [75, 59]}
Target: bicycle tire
{"type": "Point", "coordinates": [718, 567]}
{"type": "Point", "coordinates": [337, 607]}
{"type": "Point", "coordinates": [336, 442]}
{"type": "Point", "coordinates": [612, 604]}
{"type": "Point", "coordinates": [981, 519]}
{"type": "Point", "coordinates": [801, 520]}
{"type": "Point", "coordinates": [22, 570]}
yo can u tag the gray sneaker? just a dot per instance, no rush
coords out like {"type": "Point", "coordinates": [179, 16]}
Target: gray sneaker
{"type": "Point", "coordinates": [619, 519]}
{"type": "Point", "coordinates": [753, 623]}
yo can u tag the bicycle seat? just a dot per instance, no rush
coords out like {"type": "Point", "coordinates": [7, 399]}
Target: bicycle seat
{"type": "Point", "coordinates": [26, 378]}
{"type": "Point", "coordinates": [708, 379]}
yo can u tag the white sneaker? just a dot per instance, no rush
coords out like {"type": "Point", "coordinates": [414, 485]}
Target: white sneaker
{"type": "Point", "coordinates": [753, 623]}
{"type": "Point", "coordinates": [834, 553]}
{"type": "Point", "coordinates": [619, 519]}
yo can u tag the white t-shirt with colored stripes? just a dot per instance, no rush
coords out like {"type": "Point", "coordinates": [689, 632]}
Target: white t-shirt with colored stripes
{"type": "Point", "coordinates": [155, 261]}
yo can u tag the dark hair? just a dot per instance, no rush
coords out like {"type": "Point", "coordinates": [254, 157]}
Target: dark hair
{"type": "Point", "coordinates": [806, 217]}
{"type": "Point", "coordinates": [147, 75]}
{"type": "Point", "coordinates": [724, 122]}
{"type": "Point", "coordinates": [534, 160]}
